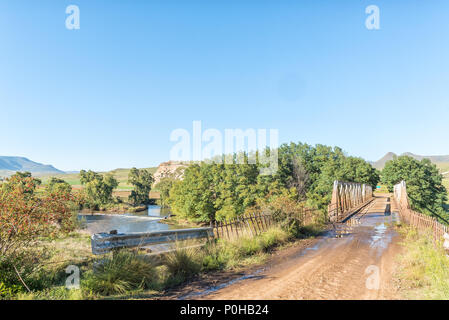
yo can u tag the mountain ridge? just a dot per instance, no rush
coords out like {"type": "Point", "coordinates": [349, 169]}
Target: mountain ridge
{"type": "Point", "coordinates": [11, 164]}
{"type": "Point", "coordinates": [379, 164]}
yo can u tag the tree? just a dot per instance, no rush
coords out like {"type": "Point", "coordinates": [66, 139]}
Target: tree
{"type": "Point", "coordinates": [194, 196]}
{"type": "Point", "coordinates": [97, 188]}
{"type": "Point", "coordinates": [142, 180]}
{"type": "Point", "coordinates": [210, 192]}
{"type": "Point", "coordinates": [166, 183]}
{"type": "Point", "coordinates": [311, 170]}
{"type": "Point", "coordinates": [300, 178]}
{"type": "Point", "coordinates": [217, 191]}
{"type": "Point", "coordinates": [424, 183]}
{"type": "Point", "coordinates": [58, 185]}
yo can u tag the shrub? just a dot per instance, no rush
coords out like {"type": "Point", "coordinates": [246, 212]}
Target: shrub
{"type": "Point", "coordinates": [25, 217]}
{"type": "Point", "coordinates": [9, 279]}
{"type": "Point", "coordinates": [183, 263]}
{"type": "Point", "coordinates": [285, 210]}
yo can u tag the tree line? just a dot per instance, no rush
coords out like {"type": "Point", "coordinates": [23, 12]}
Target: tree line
{"type": "Point", "coordinates": [215, 191]}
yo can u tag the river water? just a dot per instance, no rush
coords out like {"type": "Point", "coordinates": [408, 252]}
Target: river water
{"type": "Point", "coordinates": [145, 221]}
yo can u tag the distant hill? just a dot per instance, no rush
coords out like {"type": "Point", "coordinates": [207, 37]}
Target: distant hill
{"type": "Point", "coordinates": [379, 164]}
{"type": "Point", "coordinates": [434, 159]}
{"type": "Point", "coordinates": [441, 161]}
{"type": "Point", "coordinates": [10, 165]}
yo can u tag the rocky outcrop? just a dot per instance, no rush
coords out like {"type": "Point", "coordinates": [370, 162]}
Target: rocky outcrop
{"type": "Point", "coordinates": [169, 168]}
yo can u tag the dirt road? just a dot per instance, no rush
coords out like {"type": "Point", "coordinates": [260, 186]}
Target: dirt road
{"type": "Point", "coordinates": [358, 265]}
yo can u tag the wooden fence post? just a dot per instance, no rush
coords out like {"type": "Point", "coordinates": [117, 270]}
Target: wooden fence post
{"type": "Point", "coordinates": [255, 224]}
{"type": "Point", "coordinates": [216, 228]}
{"type": "Point", "coordinates": [227, 230]}
{"type": "Point", "coordinates": [263, 222]}
{"type": "Point", "coordinates": [249, 227]}
{"type": "Point", "coordinates": [232, 229]}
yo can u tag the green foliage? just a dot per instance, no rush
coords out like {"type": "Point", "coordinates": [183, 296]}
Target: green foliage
{"type": "Point", "coordinates": [166, 183]}
{"type": "Point", "coordinates": [58, 185]}
{"type": "Point", "coordinates": [323, 166]}
{"type": "Point", "coordinates": [9, 281]}
{"type": "Point", "coordinates": [8, 291]}
{"type": "Point", "coordinates": [164, 186]}
{"type": "Point", "coordinates": [123, 272]}
{"type": "Point", "coordinates": [285, 210]}
{"type": "Point", "coordinates": [424, 183]}
{"type": "Point", "coordinates": [211, 192]}
{"type": "Point", "coordinates": [97, 188]}
{"type": "Point", "coordinates": [142, 180]}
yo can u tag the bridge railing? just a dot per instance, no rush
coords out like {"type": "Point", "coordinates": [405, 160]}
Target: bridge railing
{"type": "Point", "coordinates": [105, 242]}
{"type": "Point", "coordinates": [348, 197]}
{"type": "Point", "coordinates": [416, 219]}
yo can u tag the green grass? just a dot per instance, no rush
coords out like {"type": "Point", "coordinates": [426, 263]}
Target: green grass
{"type": "Point", "coordinates": [382, 189]}
{"type": "Point", "coordinates": [54, 293]}
{"type": "Point", "coordinates": [243, 251]}
{"type": "Point", "coordinates": [424, 267]}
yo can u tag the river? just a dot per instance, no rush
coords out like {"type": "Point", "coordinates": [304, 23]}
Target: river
{"type": "Point", "coordinates": [145, 221]}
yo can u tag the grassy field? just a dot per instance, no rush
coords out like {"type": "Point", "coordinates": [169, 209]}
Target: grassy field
{"type": "Point", "coordinates": [446, 183]}
{"type": "Point", "coordinates": [74, 179]}
{"type": "Point", "coordinates": [423, 268]}
{"type": "Point", "coordinates": [443, 166]}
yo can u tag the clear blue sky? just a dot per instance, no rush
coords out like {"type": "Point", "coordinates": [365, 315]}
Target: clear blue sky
{"type": "Point", "coordinates": [109, 95]}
